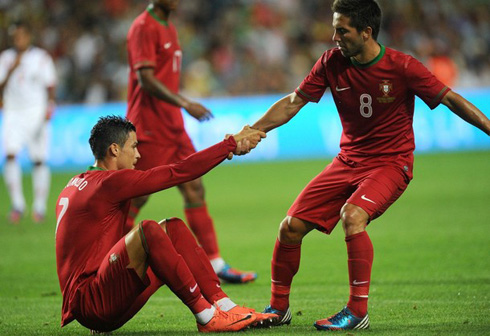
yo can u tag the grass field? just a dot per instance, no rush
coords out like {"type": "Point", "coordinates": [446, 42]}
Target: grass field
{"type": "Point", "coordinates": [431, 273]}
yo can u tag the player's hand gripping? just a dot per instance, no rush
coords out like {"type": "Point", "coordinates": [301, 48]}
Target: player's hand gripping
{"type": "Point", "coordinates": [247, 139]}
{"type": "Point", "coordinates": [198, 111]}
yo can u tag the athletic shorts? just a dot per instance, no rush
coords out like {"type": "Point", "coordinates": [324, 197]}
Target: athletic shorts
{"type": "Point", "coordinates": [154, 154]}
{"type": "Point", "coordinates": [372, 187]}
{"type": "Point", "coordinates": [26, 128]}
{"type": "Point", "coordinates": [114, 294]}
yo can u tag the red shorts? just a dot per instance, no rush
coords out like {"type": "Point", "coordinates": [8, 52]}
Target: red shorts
{"type": "Point", "coordinates": [372, 187]}
{"type": "Point", "coordinates": [154, 154]}
{"type": "Point", "coordinates": [114, 294]}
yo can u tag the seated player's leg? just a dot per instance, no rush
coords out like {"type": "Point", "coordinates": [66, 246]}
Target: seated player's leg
{"type": "Point", "coordinates": [121, 286]}
{"type": "Point", "coordinates": [105, 298]}
{"type": "Point", "coordinates": [202, 225]}
{"type": "Point", "coordinates": [195, 257]}
{"type": "Point", "coordinates": [170, 266]}
{"type": "Point", "coordinates": [378, 188]}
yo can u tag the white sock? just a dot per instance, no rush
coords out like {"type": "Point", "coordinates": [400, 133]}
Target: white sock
{"type": "Point", "coordinates": [218, 264]}
{"type": "Point", "coordinates": [225, 304]}
{"type": "Point", "coordinates": [13, 179]}
{"type": "Point", "coordinates": [205, 316]}
{"type": "Point", "coordinates": [41, 180]}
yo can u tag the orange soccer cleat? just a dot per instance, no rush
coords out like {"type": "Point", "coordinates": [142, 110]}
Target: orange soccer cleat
{"type": "Point", "coordinates": [227, 321]}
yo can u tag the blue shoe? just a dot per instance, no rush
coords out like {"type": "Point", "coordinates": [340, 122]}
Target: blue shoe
{"type": "Point", "coordinates": [231, 275]}
{"type": "Point", "coordinates": [343, 320]}
{"type": "Point", "coordinates": [277, 317]}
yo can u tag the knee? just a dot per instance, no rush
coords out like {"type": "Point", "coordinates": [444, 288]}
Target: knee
{"type": "Point", "coordinates": [193, 191]}
{"type": "Point", "coordinates": [354, 219]}
{"type": "Point", "coordinates": [176, 228]}
{"type": "Point", "coordinates": [292, 230]}
{"type": "Point", "coordinates": [140, 201]}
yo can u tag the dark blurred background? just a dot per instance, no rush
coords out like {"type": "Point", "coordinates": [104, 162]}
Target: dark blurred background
{"type": "Point", "coordinates": [244, 47]}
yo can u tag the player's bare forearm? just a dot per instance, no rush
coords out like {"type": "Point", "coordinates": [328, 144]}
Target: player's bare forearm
{"type": "Point", "coordinates": [466, 111]}
{"type": "Point", "coordinates": [280, 112]}
{"type": "Point", "coordinates": [151, 85]}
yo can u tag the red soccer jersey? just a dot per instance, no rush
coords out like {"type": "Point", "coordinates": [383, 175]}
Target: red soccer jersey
{"type": "Point", "coordinates": [152, 42]}
{"type": "Point", "coordinates": [375, 101]}
{"type": "Point", "coordinates": [91, 212]}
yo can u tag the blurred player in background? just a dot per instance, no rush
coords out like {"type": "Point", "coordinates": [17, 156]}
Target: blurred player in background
{"type": "Point", "coordinates": [27, 84]}
{"type": "Point", "coordinates": [374, 89]}
{"type": "Point", "coordinates": [154, 106]}
{"type": "Point", "coordinates": [106, 275]}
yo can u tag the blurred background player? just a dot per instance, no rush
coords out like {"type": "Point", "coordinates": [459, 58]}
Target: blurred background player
{"type": "Point", "coordinates": [154, 106]}
{"type": "Point", "coordinates": [374, 89]}
{"type": "Point", "coordinates": [27, 84]}
{"type": "Point", "coordinates": [107, 278]}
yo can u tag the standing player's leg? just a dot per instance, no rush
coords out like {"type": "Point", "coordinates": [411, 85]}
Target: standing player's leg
{"type": "Point", "coordinates": [41, 175]}
{"type": "Point", "coordinates": [284, 266]}
{"type": "Point", "coordinates": [378, 188]}
{"type": "Point", "coordinates": [201, 224]}
{"type": "Point", "coordinates": [12, 174]}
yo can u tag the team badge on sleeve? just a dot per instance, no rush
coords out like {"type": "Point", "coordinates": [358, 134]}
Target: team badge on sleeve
{"type": "Point", "coordinates": [386, 87]}
{"type": "Point", "coordinates": [113, 258]}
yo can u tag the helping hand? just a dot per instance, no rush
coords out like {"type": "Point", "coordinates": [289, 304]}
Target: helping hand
{"type": "Point", "coordinates": [247, 139]}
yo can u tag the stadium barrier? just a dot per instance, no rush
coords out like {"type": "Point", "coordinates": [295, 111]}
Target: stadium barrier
{"type": "Point", "coordinates": [313, 133]}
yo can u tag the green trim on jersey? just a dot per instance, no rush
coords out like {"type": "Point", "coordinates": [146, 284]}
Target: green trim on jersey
{"type": "Point", "coordinates": [313, 99]}
{"type": "Point", "coordinates": [373, 62]}
{"type": "Point", "coordinates": [438, 97]}
{"type": "Point", "coordinates": [95, 168]}
{"type": "Point", "coordinates": [150, 10]}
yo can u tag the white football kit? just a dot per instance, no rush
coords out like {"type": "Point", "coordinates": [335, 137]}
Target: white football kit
{"type": "Point", "coordinates": [25, 101]}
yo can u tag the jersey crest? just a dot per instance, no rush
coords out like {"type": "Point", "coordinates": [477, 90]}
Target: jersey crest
{"type": "Point", "coordinates": [386, 87]}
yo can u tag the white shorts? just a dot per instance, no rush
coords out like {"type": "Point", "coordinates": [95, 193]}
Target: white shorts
{"type": "Point", "coordinates": [26, 127]}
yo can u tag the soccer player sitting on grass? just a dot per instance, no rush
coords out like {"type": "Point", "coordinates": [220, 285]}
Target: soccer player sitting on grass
{"type": "Point", "coordinates": [374, 89]}
{"type": "Point", "coordinates": [105, 276]}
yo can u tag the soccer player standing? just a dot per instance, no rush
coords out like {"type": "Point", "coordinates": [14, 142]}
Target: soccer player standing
{"type": "Point", "coordinates": [27, 85]}
{"type": "Point", "coordinates": [154, 106]}
{"type": "Point", "coordinates": [374, 89]}
{"type": "Point", "coordinates": [105, 275]}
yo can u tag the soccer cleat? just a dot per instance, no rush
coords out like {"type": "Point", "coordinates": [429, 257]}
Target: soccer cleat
{"type": "Point", "coordinates": [226, 321]}
{"type": "Point", "coordinates": [275, 317]}
{"type": "Point", "coordinates": [231, 275]}
{"type": "Point", "coordinates": [262, 320]}
{"type": "Point", "coordinates": [38, 217]}
{"type": "Point", "coordinates": [343, 320]}
{"type": "Point", "coordinates": [15, 216]}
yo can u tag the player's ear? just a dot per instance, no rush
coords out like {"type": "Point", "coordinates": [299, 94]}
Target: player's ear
{"type": "Point", "coordinates": [366, 33]}
{"type": "Point", "coordinates": [114, 150]}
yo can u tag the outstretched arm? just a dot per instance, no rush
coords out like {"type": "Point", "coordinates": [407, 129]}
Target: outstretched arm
{"type": "Point", "coordinates": [150, 84]}
{"type": "Point", "coordinates": [280, 112]}
{"type": "Point", "coordinates": [134, 183]}
{"type": "Point", "coordinates": [466, 111]}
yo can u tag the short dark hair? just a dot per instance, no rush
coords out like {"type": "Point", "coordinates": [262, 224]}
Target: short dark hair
{"type": "Point", "coordinates": [362, 14]}
{"type": "Point", "coordinates": [20, 24]}
{"type": "Point", "coordinates": [108, 130]}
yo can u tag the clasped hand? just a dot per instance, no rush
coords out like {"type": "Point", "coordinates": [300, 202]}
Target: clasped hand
{"type": "Point", "coordinates": [246, 140]}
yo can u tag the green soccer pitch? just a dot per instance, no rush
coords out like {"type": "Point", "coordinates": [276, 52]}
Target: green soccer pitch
{"type": "Point", "coordinates": [431, 273]}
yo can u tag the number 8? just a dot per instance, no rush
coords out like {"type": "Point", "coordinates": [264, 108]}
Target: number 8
{"type": "Point", "coordinates": [366, 101]}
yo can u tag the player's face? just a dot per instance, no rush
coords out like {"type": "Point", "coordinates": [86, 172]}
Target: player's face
{"type": "Point", "coordinates": [129, 154]}
{"type": "Point", "coordinates": [21, 38]}
{"type": "Point", "coordinates": [167, 5]}
{"type": "Point", "coordinates": [347, 38]}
